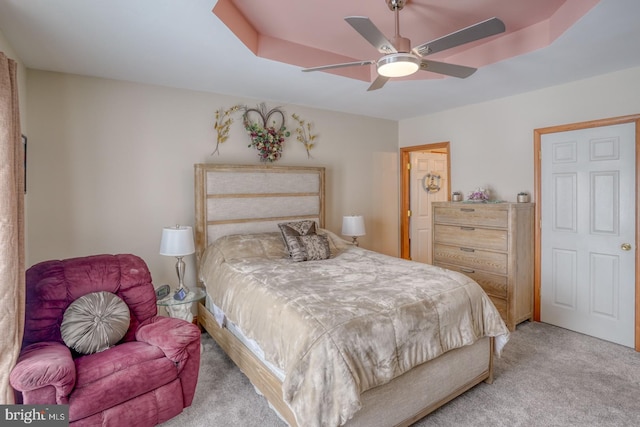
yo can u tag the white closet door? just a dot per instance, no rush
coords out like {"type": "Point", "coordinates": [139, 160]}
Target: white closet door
{"type": "Point", "coordinates": [588, 231]}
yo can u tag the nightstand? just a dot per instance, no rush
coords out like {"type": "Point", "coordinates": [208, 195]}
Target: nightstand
{"type": "Point", "coordinates": [181, 309]}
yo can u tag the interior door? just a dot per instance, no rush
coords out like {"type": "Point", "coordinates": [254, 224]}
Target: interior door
{"type": "Point", "coordinates": [588, 231]}
{"type": "Point", "coordinates": [428, 183]}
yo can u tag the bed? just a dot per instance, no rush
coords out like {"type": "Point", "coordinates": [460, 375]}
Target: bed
{"type": "Point", "coordinates": [349, 337]}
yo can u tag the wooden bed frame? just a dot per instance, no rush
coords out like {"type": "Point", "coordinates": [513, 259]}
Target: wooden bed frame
{"type": "Point", "coordinates": [228, 201]}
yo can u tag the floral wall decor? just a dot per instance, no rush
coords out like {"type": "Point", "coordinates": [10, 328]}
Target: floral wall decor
{"type": "Point", "coordinates": [222, 124]}
{"type": "Point", "coordinates": [303, 134]}
{"type": "Point", "coordinates": [267, 131]}
{"type": "Point", "coordinates": [266, 128]}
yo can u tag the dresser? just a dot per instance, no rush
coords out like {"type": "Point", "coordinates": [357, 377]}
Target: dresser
{"type": "Point", "coordinates": [493, 244]}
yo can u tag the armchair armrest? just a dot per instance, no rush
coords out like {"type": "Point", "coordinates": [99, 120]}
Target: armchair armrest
{"type": "Point", "coordinates": [173, 336]}
{"type": "Point", "coordinates": [45, 364]}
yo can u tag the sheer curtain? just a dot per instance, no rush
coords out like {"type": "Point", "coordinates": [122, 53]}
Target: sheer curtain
{"type": "Point", "coordinates": [12, 267]}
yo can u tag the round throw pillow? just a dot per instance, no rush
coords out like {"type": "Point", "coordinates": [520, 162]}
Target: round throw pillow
{"type": "Point", "coordinates": [95, 322]}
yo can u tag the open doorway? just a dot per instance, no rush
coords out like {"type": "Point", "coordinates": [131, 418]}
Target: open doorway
{"type": "Point", "coordinates": [425, 177]}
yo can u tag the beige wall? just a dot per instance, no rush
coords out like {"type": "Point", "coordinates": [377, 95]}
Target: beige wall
{"type": "Point", "coordinates": [492, 142]}
{"type": "Point", "coordinates": [111, 163]}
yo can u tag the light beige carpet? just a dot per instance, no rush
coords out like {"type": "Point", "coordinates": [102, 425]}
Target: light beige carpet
{"type": "Point", "coordinates": [547, 376]}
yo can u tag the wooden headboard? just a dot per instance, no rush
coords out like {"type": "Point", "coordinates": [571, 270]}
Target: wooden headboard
{"type": "Point", "coordinates": [234, 199]}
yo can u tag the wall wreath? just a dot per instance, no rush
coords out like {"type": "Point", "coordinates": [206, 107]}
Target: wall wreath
{"type": "Point", "coordinates": [267, 131]}
{"type": "Point", "coordinates": [431, 182]}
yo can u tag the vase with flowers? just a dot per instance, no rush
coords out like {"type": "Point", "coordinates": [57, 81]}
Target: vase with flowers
{"type": "Point", "coordinates": [478, 195]}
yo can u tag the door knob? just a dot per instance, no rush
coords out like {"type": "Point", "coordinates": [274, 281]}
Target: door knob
{"type": "Point", "coordinates": [625, 246]}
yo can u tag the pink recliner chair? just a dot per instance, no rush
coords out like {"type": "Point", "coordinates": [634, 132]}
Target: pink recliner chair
{"type": "Point", "coordinates": [148, 377]}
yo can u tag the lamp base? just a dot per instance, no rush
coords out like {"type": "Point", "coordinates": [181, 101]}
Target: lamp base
{"type": "Point", "coordinates": [354, 242]}
{"type": "Point", "coordinates": [180, 265]}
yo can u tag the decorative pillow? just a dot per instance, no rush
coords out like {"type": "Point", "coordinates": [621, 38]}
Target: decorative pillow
{"type": "Point", "coordinates": [291, 230]}
{"type": "Point", "coordinates": [95, 322]}
{"type": "Point", "coordinates": [336, 244]}
{"type": "Point", "coordinates": [313, 247]}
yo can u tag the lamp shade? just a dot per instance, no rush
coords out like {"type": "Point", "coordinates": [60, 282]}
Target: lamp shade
{"type": "Point", "coordinates": [353, 225]}
{"type": "Point", "coordinates": [177, 241]}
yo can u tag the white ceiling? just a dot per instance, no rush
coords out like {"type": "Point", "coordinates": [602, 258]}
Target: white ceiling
{"type": "Point", "coordinates": [182, 44]}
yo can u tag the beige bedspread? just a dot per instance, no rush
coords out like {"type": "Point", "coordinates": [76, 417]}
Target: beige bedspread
{"type": "Point", "coordinates": [341, 326]}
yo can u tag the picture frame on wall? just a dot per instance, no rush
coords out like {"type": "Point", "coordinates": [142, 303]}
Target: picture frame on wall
{"type": "Point", "coordinates": [24, 147]}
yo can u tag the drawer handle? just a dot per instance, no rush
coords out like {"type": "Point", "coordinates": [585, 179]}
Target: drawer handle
{"type": "Point", "coordinates": [467, 228]}
{"type": "Point", "coordinates": [467, 210]}
{"type": "Point", "coordinates": [467, 270]}
{"type": "Point", "coordinates": [467, 249]}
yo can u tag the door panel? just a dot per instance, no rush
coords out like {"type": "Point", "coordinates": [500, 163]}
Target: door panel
{"type": "Point", "coordinates": [564, 273]}
{"type": "Point", "coordinates": [423, 164]}
{"type": "Point", "coordinates": [588, 213]}
{"type": "Point", "coordinates": [605, 285]}
{"type": "Point", "coordinates": [565, 203]}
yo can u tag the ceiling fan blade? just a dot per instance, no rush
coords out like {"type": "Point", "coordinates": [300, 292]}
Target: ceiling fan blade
{"type": "Point", "coordinates": [453, 70]}
{"type": "Point", "coordinates": [378, 83]}
{"type": "Point", "coordinates": [371, 33]}
{"type": "Point", "coordinates": [490, 27]}
{"type": "Point", "coordinates": [346, 64]}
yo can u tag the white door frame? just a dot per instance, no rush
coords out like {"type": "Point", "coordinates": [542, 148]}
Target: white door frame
{"type": "Point", "coordinates": [537, 136]}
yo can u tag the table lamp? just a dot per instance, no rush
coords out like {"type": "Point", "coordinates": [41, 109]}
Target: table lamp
{"type": "Point", "coordinates": [178, 242]}
{"type": "Point", "coordinates": [353, 226]}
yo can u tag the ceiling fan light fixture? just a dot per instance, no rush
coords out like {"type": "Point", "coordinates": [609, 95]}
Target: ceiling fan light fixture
{"type": "Point", "coordinates": [398, 65]}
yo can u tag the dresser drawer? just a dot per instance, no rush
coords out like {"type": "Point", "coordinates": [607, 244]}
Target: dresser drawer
{"type": "Point", "coordinates": [493, 284]}
{"type": "Point", "coordinates": [471, 237]}
{"type": "Point", "coordinates": [491, 262]}
{"type": "Point", "coordinates": [469, 215]}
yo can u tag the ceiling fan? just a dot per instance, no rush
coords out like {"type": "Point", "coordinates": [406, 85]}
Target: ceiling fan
{"type": "Point", "coordinates": [401, 60]}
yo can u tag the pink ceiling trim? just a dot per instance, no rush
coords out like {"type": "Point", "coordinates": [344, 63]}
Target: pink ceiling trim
{"type": "Point", "coordinates": [237, 23]}
{"type": "Point", "coordinates": [567, 15]}
{"type": "Point", "coordinates": [477, 54]}
{"type": "Point", "coordinates": [305, 56]}
{"type": "Point", "coordinates": [507, 46]}
{"type": "Point", "coordinates": [527, 39]}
